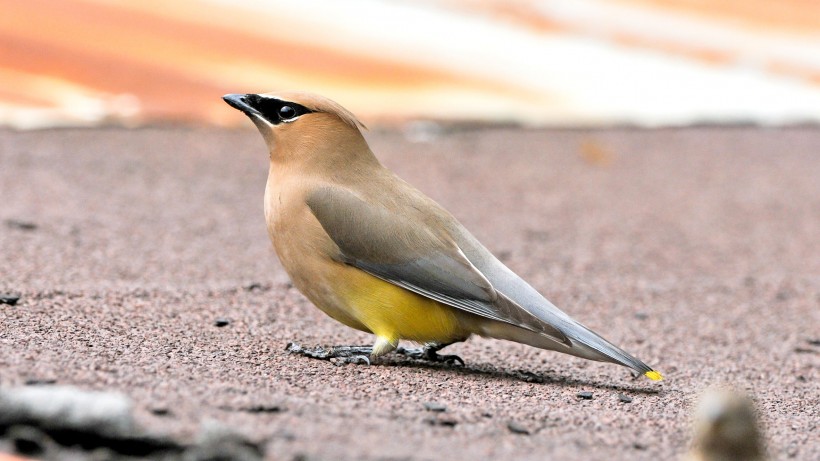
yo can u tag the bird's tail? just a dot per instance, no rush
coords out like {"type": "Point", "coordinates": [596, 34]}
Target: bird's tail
{"type": "Point", "coordinates": [592, 346]}
{"type": "Point", "coordinates": [583, 343]}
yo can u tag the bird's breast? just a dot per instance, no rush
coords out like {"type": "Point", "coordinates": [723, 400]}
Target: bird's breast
{"type": "Point", "coordinates": [347, 294]}
{"type": "Point", "coordinates": [303, 247]}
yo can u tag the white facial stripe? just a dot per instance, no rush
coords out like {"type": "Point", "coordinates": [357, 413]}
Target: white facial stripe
{"type": "Point", "coordinates": [261, 118]}
{"type": "Point", "coordinates": [270, 97]}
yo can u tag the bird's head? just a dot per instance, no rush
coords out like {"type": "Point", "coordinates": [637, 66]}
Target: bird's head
{"type": "Point", "coordinates": [298, 125]}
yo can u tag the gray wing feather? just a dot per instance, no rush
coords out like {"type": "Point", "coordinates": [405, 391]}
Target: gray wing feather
{"type": "Point", "coordinates": [510, 285]}
{"type": "Point", "coordinates": [411, 255]}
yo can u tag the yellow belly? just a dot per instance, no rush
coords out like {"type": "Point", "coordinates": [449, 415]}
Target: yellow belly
{"type": "Point", "coordinates": [394, 313]}
{"type": "Point", "coordinates": [345, 293]}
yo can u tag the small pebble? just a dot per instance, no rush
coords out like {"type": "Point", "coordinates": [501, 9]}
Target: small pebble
{"type": "Point", "coordinates": [22, 225]}
{"type": "Point", "coordinates": [624, 398]}
{"type": "Point", "coordinates": [160, 411]}
{"type": "Point", "coordinates": [40, 381]}
{"type": "Point", "coordinates": [448, 422]}
{"type": "Point", "coordinates": [11, 300]}
{"type": "Point", "coordinates": [220, 322]}
{"type": "Point", "coordinates": [28, 440]}
{"type": "Point", "coordinates": [586, 395]}
{"type": "Point", "coordinates": [638, 446]}
{"type": "Point", "coordinates": [441, 421]}
{"type": "Point", "coordinates": [530, 377]}
{"type": "Point", "coordinates": [262, 408]}
{"type": "Point", "coordinates": [434, 407]}
{"type": "Point", "coordinates": [255, 286]}
{"type": "Point", "coordinates": [516, 428]}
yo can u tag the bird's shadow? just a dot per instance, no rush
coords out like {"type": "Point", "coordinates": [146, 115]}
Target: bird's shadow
{"type": "Point", "coordinates": [488, 370]}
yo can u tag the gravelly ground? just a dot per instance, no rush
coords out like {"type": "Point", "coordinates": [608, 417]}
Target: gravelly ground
{"type": "Point", "coordinates": [696, 249]}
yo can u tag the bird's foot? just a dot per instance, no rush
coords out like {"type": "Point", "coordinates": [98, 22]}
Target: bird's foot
{"type": "Point", "coordinates": [430, 354]}
{"type": "Point", "coordinates": [336, 354]}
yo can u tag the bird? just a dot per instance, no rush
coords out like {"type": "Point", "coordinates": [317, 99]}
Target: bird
{"type": "Point", "coordinates": [726, 428]}
{"type": "Point", "coordinates": [377, 255]}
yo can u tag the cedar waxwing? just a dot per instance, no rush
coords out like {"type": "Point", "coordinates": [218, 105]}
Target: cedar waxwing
{"type": "Point", "coordinates": [726, 429]}
{"type": "Point", "coordinates": [377, 255]}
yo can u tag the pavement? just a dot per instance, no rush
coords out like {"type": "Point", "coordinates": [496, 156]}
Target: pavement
{"type": "Point", "coordinates": [143, 268]}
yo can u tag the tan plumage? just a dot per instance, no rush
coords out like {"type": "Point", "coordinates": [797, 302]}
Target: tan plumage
{"type": "Point", "coordinates": [376, 254]}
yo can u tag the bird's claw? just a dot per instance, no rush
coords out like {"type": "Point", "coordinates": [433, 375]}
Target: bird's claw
{"type": "Point", "coordinates": [338, 355]}
{"type": "Point", "coordinates": [314, 353]}
{"type": "Point", "coordinates": [430, 354]}
{"type": "Point", "coordinates": [450, 359]}
{"type": "Point", "coordinates": [354, 359]}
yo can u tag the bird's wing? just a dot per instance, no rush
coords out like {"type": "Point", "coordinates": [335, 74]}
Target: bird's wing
{"type": "Point", "coordinates": [414, 255]}
{"type": "Point", "coordinates": [585, 342]}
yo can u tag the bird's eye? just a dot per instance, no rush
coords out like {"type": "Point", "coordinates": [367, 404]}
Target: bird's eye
{"type": "Point", "coordinates": [276, 111]}
{"type": "Point", "coordinates": [287, 112]}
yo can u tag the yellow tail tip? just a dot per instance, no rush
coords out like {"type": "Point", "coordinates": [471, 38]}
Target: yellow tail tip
{"type": "Point", "coordinates": [654, 375]}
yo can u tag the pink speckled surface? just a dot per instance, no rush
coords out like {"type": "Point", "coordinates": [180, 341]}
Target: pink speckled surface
{"type": "Point", "coordinates": [696, 249]}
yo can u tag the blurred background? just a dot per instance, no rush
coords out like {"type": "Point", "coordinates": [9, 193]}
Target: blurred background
{"type": "Point", "coordinates": [556, 62]}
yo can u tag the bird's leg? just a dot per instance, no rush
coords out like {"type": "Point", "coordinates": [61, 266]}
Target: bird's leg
{"type": "Point", "coordinates": [430, 353]}
{"type": "Point", "coordinates": [383, 346]}
{"type": "Point", "coordinates": [345, 354]}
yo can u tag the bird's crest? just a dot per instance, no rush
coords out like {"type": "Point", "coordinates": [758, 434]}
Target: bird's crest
{"type": "Point", "coordinates": [318, 103]}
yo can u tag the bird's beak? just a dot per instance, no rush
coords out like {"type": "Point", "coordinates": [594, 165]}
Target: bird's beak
{"type": "Point", "coordinates": [240, 102]}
